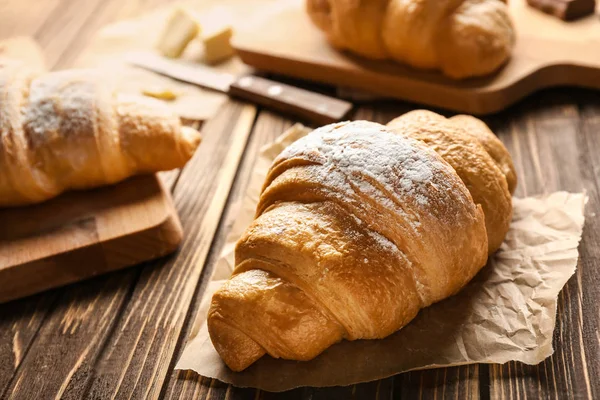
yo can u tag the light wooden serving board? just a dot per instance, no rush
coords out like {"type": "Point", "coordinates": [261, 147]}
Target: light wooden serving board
{"type": "Point", "coordinates": [549, 52]}
{"type": "Point", "coordinates": [82, 234]}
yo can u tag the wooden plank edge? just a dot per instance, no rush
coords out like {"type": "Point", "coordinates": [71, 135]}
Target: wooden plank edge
{"type": "Point", "coordinates": [240, 137]}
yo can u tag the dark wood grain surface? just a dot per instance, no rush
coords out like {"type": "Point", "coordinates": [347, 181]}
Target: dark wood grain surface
{"type": "Point", "coordinates": [119, 335]}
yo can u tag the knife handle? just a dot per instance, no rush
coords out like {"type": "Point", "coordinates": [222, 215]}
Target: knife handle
{"type": "Point", "coordinates": [314, 107]}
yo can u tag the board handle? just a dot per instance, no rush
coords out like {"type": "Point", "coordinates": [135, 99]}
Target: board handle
{"type": "Point", "coordinates": [314, 107]}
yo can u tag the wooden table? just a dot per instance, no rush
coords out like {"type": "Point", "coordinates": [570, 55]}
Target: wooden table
{"type": "Point", "coordinates": [119, 335]}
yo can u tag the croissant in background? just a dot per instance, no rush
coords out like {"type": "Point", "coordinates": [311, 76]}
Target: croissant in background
{"type": "Point", "coordinates": [462, 38]}
{"type": "Point", "coordinates": [358, 227]}
{"type": "Point", "coordinates": [68, 130]}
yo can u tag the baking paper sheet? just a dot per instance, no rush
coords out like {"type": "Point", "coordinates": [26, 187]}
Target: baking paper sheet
{"type": "Point", "coordinates": [508, 312]}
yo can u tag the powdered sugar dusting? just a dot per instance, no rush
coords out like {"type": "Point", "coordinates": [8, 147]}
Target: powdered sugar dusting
{"type": "Point", "coordinates": [40, 115]}
{"type": "Point", "coordinates": [48, 112]}
{"type": "Point", "coordinates": [360, 160]}
{"type": "Point", "coordinates": [367, 151]}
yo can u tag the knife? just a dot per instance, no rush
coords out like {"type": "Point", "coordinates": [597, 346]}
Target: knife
{"type": "Point", "coordinates": [311, 106]}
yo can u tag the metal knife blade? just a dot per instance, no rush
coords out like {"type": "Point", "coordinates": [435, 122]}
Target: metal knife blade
{"type": "Point", "coordinates": [191, 73]}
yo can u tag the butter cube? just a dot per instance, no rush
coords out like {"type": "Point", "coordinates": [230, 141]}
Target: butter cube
{"type": "Point", "coordinates": [181, 28]}
{"type": "Point", "coordinates": [217, 42]}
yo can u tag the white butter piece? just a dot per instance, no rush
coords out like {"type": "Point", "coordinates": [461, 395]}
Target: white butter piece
{"type": "Point", "coordinates": [181, 28]}
{"type": "Point", "coordinates": [216, 36]}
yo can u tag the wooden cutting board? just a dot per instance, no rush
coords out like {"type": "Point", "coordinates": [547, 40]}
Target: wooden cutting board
{"type": "Point", "coordinates": [549, 52]}
{"type": "Point", "coordinates": [82, 234]}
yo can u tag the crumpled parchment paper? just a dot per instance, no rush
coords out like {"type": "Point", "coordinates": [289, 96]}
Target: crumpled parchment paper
{"type": "Point", "coordinates": [508, 311]}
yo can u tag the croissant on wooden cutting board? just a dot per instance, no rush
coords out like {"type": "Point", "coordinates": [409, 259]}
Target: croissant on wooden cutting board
{"type": "Point", "coordinates": [69, 130]}
{"type": "Point", "coordinates": [358, 227]}
{"type": "Point", "coordinates": [462, 38]}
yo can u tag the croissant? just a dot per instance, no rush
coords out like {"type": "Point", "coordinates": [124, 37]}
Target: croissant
{"type": "Point", "coordinates": [358, 227]}
{"type": "Point", "coordinates": [462, 38]}
{"type": "Point", "coordinates": [68, 130]}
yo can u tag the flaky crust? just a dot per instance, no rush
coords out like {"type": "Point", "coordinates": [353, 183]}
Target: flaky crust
{"type": "Point", "coordinates": [478, 157]}
{"type": "Point", "coordinates": [69, 130]}
{"type": "Point", "coordinates": [462, 38]}
{"type": "Point", "coordinates": [358, 227]}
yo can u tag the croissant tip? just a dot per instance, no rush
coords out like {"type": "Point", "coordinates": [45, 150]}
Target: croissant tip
{"type": "Point", "coordinates": [192, 139]}
{"type": "Point", "coordinates": [237, 349]}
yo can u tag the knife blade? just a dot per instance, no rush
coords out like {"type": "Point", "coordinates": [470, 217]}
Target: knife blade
{"type": "Point", "coordinates": [315, 107]}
